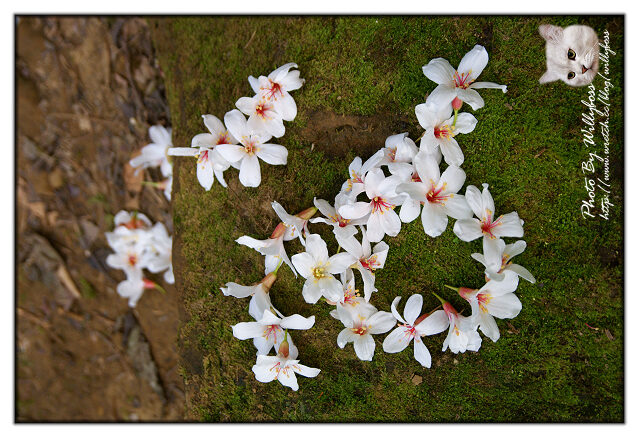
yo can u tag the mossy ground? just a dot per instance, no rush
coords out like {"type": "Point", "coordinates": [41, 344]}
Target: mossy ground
{"type": "Point", "coordinates": [560, 360]}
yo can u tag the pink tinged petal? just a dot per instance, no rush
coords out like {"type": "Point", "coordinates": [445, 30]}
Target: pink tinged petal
{"type": "Point", "coordinates": [391, 224]}
{"type": "Point", "coordinates": [272, 153]}
{"type": "Point", "coordinates": [297, 322]}
{"type": "Point", "coordinates": [488, 85]}
{"type": "Point", "coordinates": [213, 124]}
{"type": "Point", "coordinates": [287, 378]}
{"type": "Point", "coordinates": [409, 211]}
{"type": "Point", "coordinates": [452, 153]}
{"type": "Point", "coordinates": [248, 330]}
{"type": "Point", "coordinates": [434, 219]}
{"type": "Point", "coordinates": [475, 201]}
{"type": "Point", "coordinates": [237, 290]}
{"type": "Point", "coordinates": [468, 229]}
{"type": "Point", "coordinates": [264, 370]}
{"type": "Point", "coordinates": [381, 322]}
{"type": "Point", "coordinates": [286, 107]}
{"type": "Point", "coordinates": [364, 347]}
{"type": "Point", "coordinates": [521, 271]}
{"type": "Point", "coordinates": [231, 153]}
{"type": "Point", "coordinates": [413, 308]}
{"type": "Point", "coordinates": [488, 205]}
{"type": "Point", "coordinates": [346, 336]}
{"type": "Point", "coordinates": [305, 371]}
{"type": "Point", "coordinates": [397, 340]}
{"type": "Point", "coordinates": [435, 323]}
{"type": "Point", "coordinates": [205, 173]}
{"type": "Point", "coordinates": [488, 326]}
{"type": "Point", "coordinates": [304, 263]}
{"type": "Point", "coordinates": [422, 355]}
{"type": "Point", "coordinates": [504, 307]}
{"type": "Point", "coordinates": [442, 95]}
{"type": "Point", "coordinates": [250, 175]}
{"type": "Point", "coordinates": [236, 124]}
{"type": "Point", "coordinates": [311, 292]}
{"type": "Point", "coordinates": [439, 71]}
{"type": "Point", "coordinates": [465, 123]}
{"type": "Point", "coordinates": [247, 105]}
{"type": "Point", "coordinates": [509, 226]}
{"type": "Point", "coordinates": [471, 97]}
{"type": "Point", "coordinates": [457, 208]}
{"type": "Point", "coordinates": [182, 152]}
{"type": "Point", "coordinates": [474, 62]}
{"type": "Point", "coordinates": [339, 262]}
{"type": "Point", "coordinates": [355, 211]}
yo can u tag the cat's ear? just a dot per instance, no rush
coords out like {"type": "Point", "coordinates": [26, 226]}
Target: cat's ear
{"type": "Point", "coordinates": [551, 33]}
{"type": "Point", "coordinates": [548, 77]}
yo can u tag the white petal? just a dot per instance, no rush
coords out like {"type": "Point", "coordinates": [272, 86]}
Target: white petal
{"type": "Point", "coordinates": [345, 336]}
{"type": "Point", "coordinates": [471, 97]}
{"type": "Point", "coordinates": [339, 262]}
{"type": "Point", "coordinates": [465, 123]}
{"type": "Point", "coordinates": [505, 306]}
{"type": "Point", "coordinates": [435, 323]}
{"type": "Point", "coordinates": [410, 210]}
{"type": "Point", "coordinates": [250, 175]}
{"type": "Point", "coordinates": [488, 85]}
{"type": "Point", "coordinates": [364, 347]}
{"type": "Point", "coordinates": [439, 71]}
{"type": "Point", "coordinates": [311, 292]}
{"type": "Point", "coordinates": [434, 219]}
{"type": "Point", "coordinates": [421, 353]}
{"type": "Point", "coordinates": [272, 153]}
{"type": "Point", "coordinates": [397, 340]}
{"type": "Point", "coordinates": [521, 271]}
{"type": "Point", "coordinates": [205, 173]}
{"type": "Point", "coordinates": [304, 263]}
{"type": "Point", "coordinates": [297, 322]}
{"type": "Point", "coordinates": [475, 201]}
{"type": "Point", "coordinates": [453, 154]}
{"type": "Point", "coordinates": [381, 322]}
{"type": "Point", "coordinates": [355, 211]}
{"type": "Point", "coordinates": [442, 95]}
{"type": "Point", "coordinates": [264, 370]}
{"type": "Point", "coordinates": [287, 378]}
{"type": "Point", "coordinates": [305, 371]}
{"type": "Point", "coordinates": [213, 124]}
{"type": "Point", "coordinates": [236, 124]}
{"type": "Point", "coordinates": [390, 223]}
{"type": "Point", "coordinates": [492, 251]}
{"type": "Point", "coordinates": [238, 291]}
{"type": "Point", "coordinates": [468, 229]}
{"type": "Point", "coordinates": [203, 141]}
{"type": "Point", "coordinates": [488, 326]}
{"type": "Point", "coordinates": [474, 62]}
{"type": "Point", "coordinates": [316, 247]}
{"type": "Point", "coordinates": [248, 330]}
{"type": "Point", "coordinates": [286, 107]}
{"type": "Point", "coordinates": [231, 153]}
{"type": "Point", "coordinates": [509, 226]}
{"type": "Point", "coordinates": [413, 308]}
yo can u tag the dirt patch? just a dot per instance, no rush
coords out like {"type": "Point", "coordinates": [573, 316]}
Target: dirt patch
{"type": "Point", "coordinates": [337, 135]}
{"type": "Point", "coordinates": [87, 91]}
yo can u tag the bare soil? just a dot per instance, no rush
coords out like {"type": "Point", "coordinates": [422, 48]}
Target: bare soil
{"type": "Point", "coordinates": [87, 91]}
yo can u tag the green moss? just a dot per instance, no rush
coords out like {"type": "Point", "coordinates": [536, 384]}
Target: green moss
{"type": "Point", "coordinates": [560, 360]}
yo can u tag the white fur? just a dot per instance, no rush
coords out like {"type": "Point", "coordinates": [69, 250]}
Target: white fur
{"type": "Point", "coordinates": [583, 41]}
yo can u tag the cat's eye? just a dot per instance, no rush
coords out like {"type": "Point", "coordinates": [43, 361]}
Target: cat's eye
{"type": "Point", "coordinates": [571, 54]}
{"type": "Point", "coordinates": [571, 75]}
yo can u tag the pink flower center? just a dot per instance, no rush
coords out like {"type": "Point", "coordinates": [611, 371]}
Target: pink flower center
{"type": "Point", "coordinates": [462, 81]}
{"type": "Point", "coordinates": [391, 153]}
{"type": "Point", "coordinates": [223, 139]}
{"type": "Point", "coordinates": [204, 156]}
{"type": "Point", "coordinates": [369, 263]}
{"type": "Point", "coordinates": [443, 131]}
{"type": "Point", "coordinates": [415, 177]}
{"type": "Point", "coordinates": [250, 148]}
{"type": "Point", "coordinates": [261, 110]}
{"type": "Point", "coordinates": [483, 299]}
{"type": "Point", "coordinates": [409, 331]}
{"type": "Point", "coordinates": [273, 90]}
{"type": "Point", "coordinates": [435, 196]}
{"type": "Point", "coordinates": [271, 330]}
{"type": "Point", "coordinates": [488, 225]}
{"type": "Point", "coordinates": [380, 205]}
{"type": "Point", "coordinates": [133, 259]}
{"type": "Point", "coordinates": [360, 330]}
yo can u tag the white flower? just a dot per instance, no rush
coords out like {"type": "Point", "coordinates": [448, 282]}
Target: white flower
{"type": "Point", "coordinates": [438, 194]}
{"type": "Point", "coordinates": [296, 226]}
{"type": "Point", "coordinates": [440, 130]}
{"type": "Point", "coordinates": [360, 328]}
{"type": "Point", "coordinates": [507, 225]}
{"type": "Point", "coordinates": [131, 221]}
{"type": "Point", "coordinates": [351, 300]}
{"type": "Point", "coordinates": [160, 252]}
{"type": "Point", "coordinates": [253, 146]}
{"type": "Point", "coordinates": [210, 164]}
{"type": "Point", "coordinates": [398, 148]}
{"type": "Point", "coordinates": [131, 258]}
{"type": "Point", "coordinates": [239, 291]}
{"type": "Point", "coordinates": [494, 299]}
{"type": "Point", "coordinates": [317, 268]}
{"type": "Point", "coordinates": [133, 288]}
{"type": "Point", "coordinates": [354, 185]}
{"type": "Point", "coordinates": [268, 331]}
{"type": "Point", "coordinates": [462, 331]}
{"type": "Point", "coordinates": [367, 260]}
{"type": "Point", "coordinates": [461, 82]}
{"type": "Point", "coordinates": [506, 252]}
{"type": "Point", "coordinates": [275, 88]}
{"type": "Point", "coordinates": [155, 154]}
{"type": "Point", "coordinates": [272, 248]}
{"type": "Point", "coordinates": [414, 328]}
{"type": "Point", "coordinates": [262, 115]}
{"type": "Point", "coordinates": [382, 220]}
{"type": "Point", "coordinates": [283, 368]}
{"type": "Point", "coordinates": [341, 226]}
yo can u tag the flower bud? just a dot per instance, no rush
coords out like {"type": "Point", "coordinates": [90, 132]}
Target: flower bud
{"type": "Point", "coordinates": [465, 292]}
{"type": "Point", "coordinates": [457, 103]}
{"type": "Point", "coordinates": [268, 281]}
{"type": "Point", "coordinates": [283, 350]}
{"type": "Point", "coordinates": [307, 214]}
{"type": "Point", "coordinates": [148, 284]}
{"type": "Point", "coordinates": [279, 231]}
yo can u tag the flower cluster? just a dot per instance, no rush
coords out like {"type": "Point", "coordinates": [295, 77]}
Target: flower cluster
{"type": "Point", "coordinates": [139, 245]}
{"type": "Point", "coordinates": [240, 142]}
{"type": "Point", "coordinates": [400, 182]}
{"type": "Point", "coordinates": [155, 154]}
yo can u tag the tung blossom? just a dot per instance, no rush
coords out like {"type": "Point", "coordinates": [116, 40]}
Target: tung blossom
{"type": "Point", "coordinates": [357, 170]}
{"type": "Point", "coordinates": [461, 82]}
{"type": "Point", "coordinates": [155, 154]}
{"type": "Point", "coordinates": [262, 116]}
{"type": "Point", "coordinates": [382, 219]}
{"type": "Point", "coordinates": [253, 146]}
{"type": "Point", "coordinates": [462, 331]}
{"type": "Point", "coordinates": [318, 269]}
{"type": "Point", "coordinates": [282, 368]}
{"type": "Point", "coordinates": [437, 193]}
{"type": "Point", "coordinates": [413, 328]}
{"type": "Point", "coordinates": [398, 148]}
{"type": "Point", "coordinates": [210, 164]}
{"type": "Point", "coordinates": [497, 271]}
{"type": "Point", "coordinates": [275, 89]}
{"type": "Point", "coordinates": [494, 300]}
{"type": "Point", "coordinates": [441, 127]}
{"type": "Point", "coordinates": [361, 326]}
{"type": "Point", "coordinates": [341, 226]}
{"type": "Point", "coordinates": [491, 228]}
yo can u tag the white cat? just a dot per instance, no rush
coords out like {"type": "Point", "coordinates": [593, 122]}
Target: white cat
{"type": "Point", "coordinates": [572, 54]}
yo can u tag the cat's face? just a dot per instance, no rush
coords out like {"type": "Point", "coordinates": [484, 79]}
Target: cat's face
{"type": "Point", "coordinates": [572, 54]}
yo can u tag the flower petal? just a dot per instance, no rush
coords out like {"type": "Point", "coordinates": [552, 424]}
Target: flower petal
{"type": "Point", "coordinates": [381, 322]}
{"type": "Point", "coordinates": [250, 175]}
{"type": "Point", "coordinates": [521, 271]}
{"type": "Point", "coordinates": [457, 207]}
{"type": "Point", "coordinates": [488, 85]}
{"type": "Point", "coordinates": [355, 211]}
{"type": "Point", "coordinates": [435, 323]}
{"type": "Point", "coordinates": [364, 347]}
{"type": "Point", "coordinates": [505, 306]}
{"type": "Point", "coordinates": [248, 330]}
{"type": "Point", "coordinates": [439, 71]}
{"type": "Point", "coordinates": [272, 153]}
{"type": "Point", "coordinates": [474, 62]}
{"type": "Point", "coordinates": [453, 154]}
{"type": "Point", "coordinates": [468, 229]}
{"type": "Point", "coordinates": [421, 353]}
{"type": "Point", "coordinates": [304, 263]}
{"type": "Point", "coordinates": [391, 224]}
{"type": "Point", "coordinates": [434, 219]}
{"type": "Point", "coordinates": [509, 226]}
{"type": "Point", "coordinates": [205, 173]}
{"type": "Point", "coordinates": [442, 95]}
{"type": "Point", "coordinates": [413, 308]}
{"type": "Point", "coordinates": [237, 290]}
{"type": "Point", "coordinates": [339, 262]}
{"type": "Point", "coordinates": [297, 322]}
{"type": "Point", "coordinates": [345, 336]}
{"type": "Point", "coordinates": [471, 97]}
{"type": "Point", "coordinates": [397, 340]}
{"type": "Point", "coordinates": [236, 124]}
{"type": "Point", "coordinates": [475, 201]}
{"type": "Point", "coordinates": [230, 152]}
{"type": "Point", "coordinates": [465, 123]}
